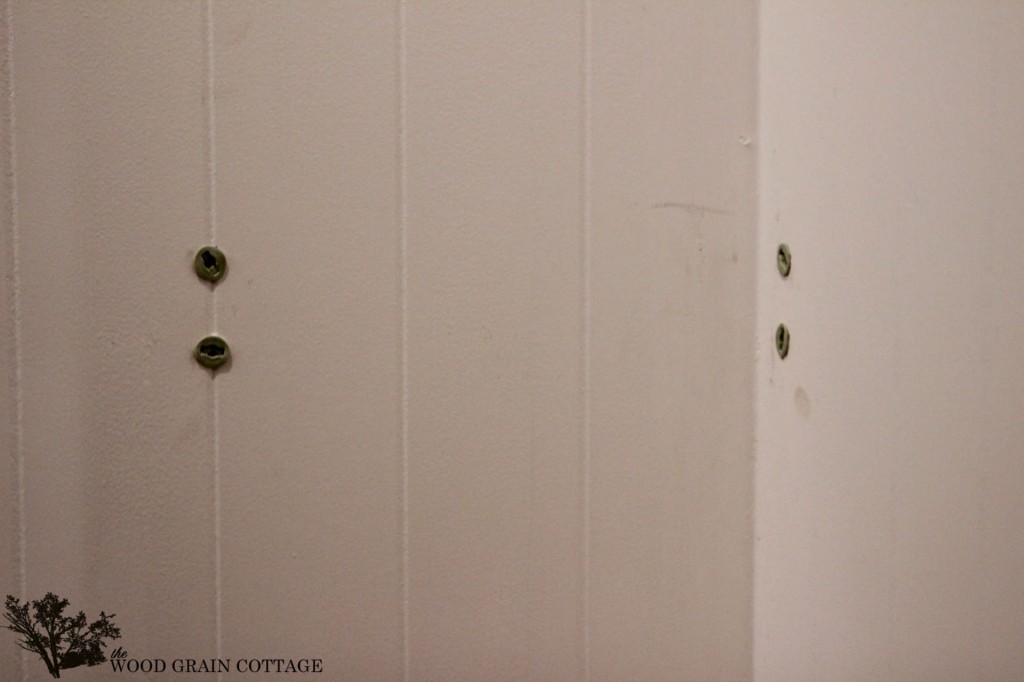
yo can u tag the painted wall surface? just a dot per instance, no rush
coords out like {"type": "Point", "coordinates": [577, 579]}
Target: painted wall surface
{"type": "Point", "coordinates": [890, 441]}
{"type": "Point", "coordinates": [108, 473]}
{"type": "Point", "coordinates": [491, 304]}
{"type": "Point", "coordinates": [492, 294]}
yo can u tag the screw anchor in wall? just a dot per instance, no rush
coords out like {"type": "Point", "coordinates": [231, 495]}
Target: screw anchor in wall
{"type": "Point", "coordinates": [212, 352]}
{"type": "Point", "coordinates": [784, 259]}
{"type": "Point", "coordinates": [782, 341]}
{"type": "Point", "coordinates": [210, 263]}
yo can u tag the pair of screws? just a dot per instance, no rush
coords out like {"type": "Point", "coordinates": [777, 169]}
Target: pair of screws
{"type": "Point", "coordinates": [210, 264]}
{"type": "Point", "coordinates": [784, 260]}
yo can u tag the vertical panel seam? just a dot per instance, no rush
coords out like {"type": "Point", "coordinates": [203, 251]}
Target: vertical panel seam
{"type": "Point", "coordinates": [403, 218]}
{"type": "Point", "coordinates": [759, 199]}
{"type": "Point", "coordinates": [211, 160]}
{"type": "Point", "coordinates": [586, 201]}
{"type": "Point", "coordinates": [19, 402]}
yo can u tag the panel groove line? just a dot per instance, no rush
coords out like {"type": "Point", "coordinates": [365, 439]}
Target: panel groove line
{"type": "Point", "coordinates": [211, 160]}
{"type": "Point", "coordinates": [586, 200]}
{"type": "Point", "coordinates": [403, 285]}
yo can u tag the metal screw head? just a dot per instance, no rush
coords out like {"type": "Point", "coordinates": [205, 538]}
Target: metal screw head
{"type": "Point", "coordinates": [210, 263]}
{"type": "Point", "coordinates": [784, 260]}
{"type": "Point", "coordinates": [782, 341]}
{"type": "Point", "coordinates": [212, 352]}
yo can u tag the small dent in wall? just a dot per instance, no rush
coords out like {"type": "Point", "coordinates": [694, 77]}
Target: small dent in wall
{"type": "Point", "coordinates": [238, 35]}
{"type": "Point", "coordinates": [802, 402]}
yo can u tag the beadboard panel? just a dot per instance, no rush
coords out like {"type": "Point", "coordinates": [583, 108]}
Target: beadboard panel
{"type": "Point", "coordinates": [11, 466]}
{"type": "Point", "coordinates": [113, 420]}
{"type": "Point", "coordinates": [309, 413]}
{"type": "Point", "coordinates": [489, 300]}
{"type": "Point", "coordinates": [672, 320]}
{"type": "Point", "coordinates": [493, 164]}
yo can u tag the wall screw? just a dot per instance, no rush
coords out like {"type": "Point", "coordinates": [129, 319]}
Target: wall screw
{"type": "Point", "coordinates": [782, 341]}
{"type": "Point", "coordinates": [210, 263]}
{"type": "Point", "coordinates": [785, 260]}
{"type": "Point", "coordinates": [212, 352]}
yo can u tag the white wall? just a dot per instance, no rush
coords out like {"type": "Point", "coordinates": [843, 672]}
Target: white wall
{"type": "Point", "coordinates": [890, 441]}
{"type": "Point", "coordinates": [492, 294]}
{"type": "Point", "coordinates": [491, 302]}
{"type": "Point", "coordinates": [107, 480]}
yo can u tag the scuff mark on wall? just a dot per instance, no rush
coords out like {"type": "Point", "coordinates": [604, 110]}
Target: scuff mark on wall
{"type": "Point", "coordinates": [699, 209]}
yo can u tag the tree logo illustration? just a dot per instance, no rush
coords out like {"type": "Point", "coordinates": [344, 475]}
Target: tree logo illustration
{"type": "Point", "coordinates": [61, 641]}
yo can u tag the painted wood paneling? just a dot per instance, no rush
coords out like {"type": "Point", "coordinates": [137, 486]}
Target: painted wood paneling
{"type": "Point", "coordinates": [306, 122]}
{"type": "Point", "coordinates": [493, 228]}
{"type": "Point", "coordinates": [11, 501]}
{"type": "Point", "coordinates": [490, 302]}
{"type": "Point", "coordinates": [110, 135]}
{"type": "Point", "coordinates": [672, 322]}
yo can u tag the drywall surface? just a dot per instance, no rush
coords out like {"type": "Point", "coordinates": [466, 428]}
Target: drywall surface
{"type": "Point", "coordinates": [490, 298]}
{"type": "Point", "coordinates": [890, 441]}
